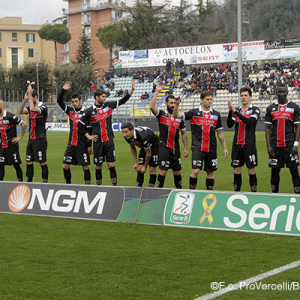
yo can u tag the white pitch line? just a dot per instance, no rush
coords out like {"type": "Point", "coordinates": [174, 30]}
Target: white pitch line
{"type": "Point", "coordinates": [259, 277]}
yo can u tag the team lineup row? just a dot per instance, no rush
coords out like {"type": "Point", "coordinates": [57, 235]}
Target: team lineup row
{"type": "Point", "coordinates": [94, 126]}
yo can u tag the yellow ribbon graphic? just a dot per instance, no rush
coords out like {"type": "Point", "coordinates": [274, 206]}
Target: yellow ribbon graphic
{"type": "Point", "coordinates": [207, 208]}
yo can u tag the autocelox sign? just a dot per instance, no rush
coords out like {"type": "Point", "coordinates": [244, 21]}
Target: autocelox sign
{"type": "Point", "coordinates": [190, 54]}
{"type": "Point", "coordinates": [61, 200]}
{"type": "Point", "coordinates": [265, 213]}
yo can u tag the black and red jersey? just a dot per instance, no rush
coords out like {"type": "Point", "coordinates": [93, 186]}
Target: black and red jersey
{"type": "Point", "coordinates": [169, 129]}
{"type": "Point", "coordinates": [244, 130]}
{"type": "Point", "coordinates": [283, 119]}
{"type": "Point", "coordinates": [203, 126]}
{"type": "Point", "coordinates": [99, 118]}
{"type": "Point", "coordinates": [37, 122]}
{"type": "Point", "coordinates": [144, 137]}
{"type": "Point", "coordinates": [74, 117]}
{"type": "Point", "coordinates": [8, 128]}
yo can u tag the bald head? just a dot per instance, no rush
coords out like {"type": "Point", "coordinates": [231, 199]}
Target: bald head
{"type": "Point", "coordinates": [1, 103]}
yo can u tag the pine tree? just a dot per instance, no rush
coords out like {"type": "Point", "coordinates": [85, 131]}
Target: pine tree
{"type": "Point", "coordinates": [84, 53]}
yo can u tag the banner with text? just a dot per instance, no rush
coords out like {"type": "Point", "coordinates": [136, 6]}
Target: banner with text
{"type": "Point", "coordinates": [264, 213]}
{"type": "Point", "coordinates": [61, 200]}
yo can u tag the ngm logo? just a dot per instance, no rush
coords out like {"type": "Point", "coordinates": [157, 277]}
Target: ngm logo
{"type": "Point", "coordinates": [61, 200]}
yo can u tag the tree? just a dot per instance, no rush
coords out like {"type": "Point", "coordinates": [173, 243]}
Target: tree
{"type": "Point", "coordinates": [84, 53]}
{"type": "Point", "coordinates": [109, 36]}
{"type": "Point", "coordinates": [143, 27]}
{"type": "Point", "coordinates": [58, 33]}
{"type": "Point", "coordinates": [80, 74]}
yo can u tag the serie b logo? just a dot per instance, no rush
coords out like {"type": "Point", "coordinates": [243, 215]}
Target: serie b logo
{"type": "Point", "coordinates": [182, 208]}
{"type": "Point", "coordinates": [19, 198]}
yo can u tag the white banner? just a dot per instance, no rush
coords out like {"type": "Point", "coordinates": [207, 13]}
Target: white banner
{"type": "Point", "coordinates": [190, 55]}
{"type": "Point", "coordinates": [58, 127]}
{"type": "Point", "coordinates": [250, 51]}
{"type": "Point", "coordinates": [282, 53]}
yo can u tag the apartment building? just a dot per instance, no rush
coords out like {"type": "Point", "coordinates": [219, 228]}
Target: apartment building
{"type": "Point", "coordinates": [88, 16]}
{"type": "Point", "coordinates": [20, 43]}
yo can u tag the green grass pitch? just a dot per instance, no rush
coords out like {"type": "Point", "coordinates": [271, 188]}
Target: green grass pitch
{"type": "Point", "coordinates": [51, 258]}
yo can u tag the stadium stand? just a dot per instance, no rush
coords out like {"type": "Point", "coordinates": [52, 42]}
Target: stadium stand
{"type": "Point", "coordinates": [192, 80]}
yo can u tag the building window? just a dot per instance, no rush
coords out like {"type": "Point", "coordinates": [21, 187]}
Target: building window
{"type": "Point", "coordinates": [0, 36]}
{"type": "Point", "coordinates": [14, 57]}
{"type": "Point", "coordinates": [14, 37]}
{"type": "Point", "coordinates": [0, 52]}
{"type": "Point", "coordinates": [30, 37]}
{"type": "Point", "coordinates": [30, 52]}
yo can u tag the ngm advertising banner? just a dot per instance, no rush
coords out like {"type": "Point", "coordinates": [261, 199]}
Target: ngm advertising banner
{"type": "Point", "coordinates": [251, 212]}
{"type": "Point", "coordinates": [61, 200]}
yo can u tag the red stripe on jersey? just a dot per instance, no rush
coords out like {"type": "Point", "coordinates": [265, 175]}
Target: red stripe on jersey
{"type": "Point", "coordinates": [3, 129]}
{"type": "Point", "coordinates": [242, 128]}
{"type": "Point", "coordinates": [75, 118]}
{"type": "Point", "coordinates": [172, 126]}
{"type": "Point", "coordinates": [281, 115]}
{"type": "Point", "coordinates": [205, 138]}
{"type": "Point", "coordinates": [206, 122]}
{"type": "Point", "coordinates": [104, 136]}
{"type": "Point", "coordinates": [32, 129]}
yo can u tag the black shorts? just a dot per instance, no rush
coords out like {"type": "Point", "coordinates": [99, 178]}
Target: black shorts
{"type": "Point", "coordinates": [10, 156]}
{"type": "Point", "coordinates": [104, 152]}
{"type": "Point", "coordinates": [37, 151]}
{"type": "Point", "coordinates": [75, 155]}
{"type": "Point", "coordinates": [154, 157]}
{"type": "Point", "coordinates": [242, 154]}
{"type": "Point", "coordinates": [209, 159]}
{"type": "Point", "coordinates": [283, 156]}
{"type": "Point", "coordinates": [169, 158]}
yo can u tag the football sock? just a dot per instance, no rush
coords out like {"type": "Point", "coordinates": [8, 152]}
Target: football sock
{"type": "Point", "coordinates": [152, 180]}
{"type": "Point", "coordinates": [113, 175]}
{"type": "Point", "coordinates": [160, 181]}
{"type": "Point", "coordinates": [210, 184]}
{"type": "Point", "coordinates": [87, 176]}
{"type": "Point", "coordinates": [2, 172]}
{"type": "Point", "coordinates": [178, 181]}
{"type": "Point", "coordinates": [237, 182]}
{"type": "Point", "coordinates": [67, 175]}
{"type": "Point", "coordinates": [275, 178]}
{"type": "Point", "coordinates": [139, 179]}
{"type": "Point", "coordinates": [295, 178]}
{"type": "Point", "coordinates": [29, 173]}
{"type": "Point", "coordinates": [45, 173]}
{"type": "Point", "coordinates": [98, 177]}
{"type": "Point", "coordinates": [19, 172]}
{"type": "Point", "coordinates": [193, 183]}
{"type": "Point", "coordinates": [253, 182]}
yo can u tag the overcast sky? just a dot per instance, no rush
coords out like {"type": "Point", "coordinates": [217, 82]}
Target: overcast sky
{"type": "Point", "coordinates": [37, 11]}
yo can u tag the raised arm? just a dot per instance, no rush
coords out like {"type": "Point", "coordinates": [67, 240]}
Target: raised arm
{"type": "Point", "coordinates": [177, 114]}
{"type": "Point", "coordinates": [22, 110]}
{"type": "Point", "coordinates": [32, 107]}
{"type": "Point", "coordinates": [153, 108]}
{"type": "Point", "coordinates": [60, 101]}
{"type": "Point", "coordinates": [125, 98]}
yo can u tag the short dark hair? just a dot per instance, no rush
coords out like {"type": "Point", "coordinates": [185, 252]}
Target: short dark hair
{"type": "Point", "coordinates": [246, 89]}
{"type": "Point", "coordinates": [205, 94]}
{"type": "Point", "coordinates": [34, 94]}
{"type": "Point", "coordinates": [127, 125]}
{"type": "Point", "coordinates": [76, 96]}
{"type": "Point", "coordinates": [98, 93]}
{"type": "Point", "coordinates": [281, 85]}
{"type": "Point", "coordinates": [170, 97]}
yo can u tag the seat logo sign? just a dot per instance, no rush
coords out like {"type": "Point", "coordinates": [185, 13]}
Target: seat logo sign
{"type": "Point", "coordinates": [182, 208]}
